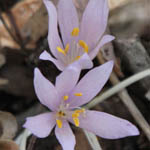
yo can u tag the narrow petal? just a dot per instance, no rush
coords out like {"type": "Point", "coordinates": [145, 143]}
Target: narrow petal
{"type": "Point", "coordinates": [106, 39]}
{"type": "Point", "coordinates": [106, 125]}
{"type": "Point", "coordinates": [67, 18]}
{"type": "Point", "coordinates": [94, 21]}
{"type": "Point", "coordinates": [65, 136]}
{"type": "Point", "coordinates": [53, 37]}
{"type": "Point", "coordinates": [84, 62]}
{"type": "Point", "coordinates": [40, 125]}
{"type": "Point", "coordinates": [46, 56]}
{"type": "Point", "coordinates": [91, 84]}
{"type": "Point", "coordinates": [67, 80]}
{"type": "Point", "coordinates": [45, 91]}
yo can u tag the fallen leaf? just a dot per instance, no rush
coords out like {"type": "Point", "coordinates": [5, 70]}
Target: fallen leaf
{"type": "Point", "coordinates": [8, 125]}
{"type": "Point", "coordinates": [8, 145]}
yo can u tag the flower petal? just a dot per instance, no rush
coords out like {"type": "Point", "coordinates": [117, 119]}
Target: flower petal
{"type": "Point", "coordinates": [67, 18]}
{"type": "Point", "coordinates": [65, 136]}
{"type": "Point", "coordinates": [91, 84]}
{"type": "Point", "coordinates": [53, 37]}
{"type": "Point", "coordinates": [106, 125]}
{"type": "Point", "coordinates": [45, 91]}
{"type": "Point", "coordinates": [84, 62]}
{"type": "Point", "coordinates": [63, 83]}
{"type": "Point", "coordinates": [40, 125]}
{"type": "Point", "coordinates": [46, 56]}
{"type": "Point", "coordinates": [94, 21]}
{"type": "Point", "coordinates": [105, 39]}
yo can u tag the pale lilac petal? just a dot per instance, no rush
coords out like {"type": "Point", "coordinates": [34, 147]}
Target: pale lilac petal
{"type": "Point", "coordinates": [67, 18]}
{"type": "Point", "coordinates": [45, 91]}
{"type": "Point", "coordinates": [105, 39]}
{"type": "Point", "coordinates": [65, 136]}
{"type": "Point", "coordinates": [67, 80]}
{"type": "Point", "coordinates": [91, 84]}
{"type": "Point", "coordinates": [84, 62]}
{"type": "Point", "coordinates": [94, 21]}
{"type": "Point", "coordinates": [53, 37]}
{"type": "Point", "coordinates": [46, 56]}
{"type": "Point", "coordinates": [40, 125]}
{"type": "Point", "coordinates": [106, 125]}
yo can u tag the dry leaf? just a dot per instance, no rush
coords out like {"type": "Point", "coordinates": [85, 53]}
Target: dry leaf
{"type": "Point", "coordinates": [8, 125]}
{"type": "Point", "coordinates": [8, 145]}
{"type": "Point", "coordinates": [23, 11]}
{"type": "Point", "coordinates": [117, 3]}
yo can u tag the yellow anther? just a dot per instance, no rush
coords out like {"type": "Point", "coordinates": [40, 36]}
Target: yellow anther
{"type": "Point", "coordinates": [76, 121]}
{"type": "Point", "coordinates": [66, 48]}
{"type": "Point", "coordinates": [84, 46]}
{"type": "Point", "coordinates": [66, 97]}
{"type": "Point", "coordinates": [78, 94]}
{"type": "Point", "coordinates": [77, 58]}
{"type": "Point", "coordinates": [75, 32]}
{"type": "Point", "coordinates": [60, 50]}
{"type": "Point", "coordinates": [75, 115]}
{"type": "Point", "coordinates": [80, 110]}
{"type": "Point", "coordinates": [59, 123]}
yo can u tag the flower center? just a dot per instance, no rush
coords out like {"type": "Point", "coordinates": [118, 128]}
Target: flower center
{"type": "Point", "coordinates": [74, 50]}
{"type": "Point", "coordinates": [63, 112]}
{"type": "Point", "coordinates": [60, 115]}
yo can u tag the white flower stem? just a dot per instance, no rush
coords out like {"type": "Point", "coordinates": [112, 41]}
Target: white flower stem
{"type": "Point", "coordinates": [93, 141]}
{"type": "Point", "coordinates": [117, 88]}
{"type": "Point", "coordinates": [21, 140]}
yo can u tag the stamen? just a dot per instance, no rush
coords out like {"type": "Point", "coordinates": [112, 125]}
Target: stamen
{"type": "Point", "coordinates": [75, 115]}
{"type": "Point", "coordinates": [59, 123]}
{"type": "Point", "coordinates": [76, 122]}
{"type": "Point", "coordinates": [84, 46]}
{"type": "Point", "coordinates": [60, 50]}
{"type": "Point", "coordinates": [77, 58]}
{"type": "Point", "coordinates": [78, 94]}
{"type": "Point", "coordinates": [66, 97]}
{"type": "Point", "coordinates": [66, 48]}
{"type": "Point", "coordinates": [80, 110]}
{"type": "Point", "coordinates": [75, 32]}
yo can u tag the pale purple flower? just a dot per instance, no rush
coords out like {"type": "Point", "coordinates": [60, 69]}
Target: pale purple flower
{"type": "Point", "coordinates": [79, 41]}
{"type": "Point", "coordinates": [65, 99]}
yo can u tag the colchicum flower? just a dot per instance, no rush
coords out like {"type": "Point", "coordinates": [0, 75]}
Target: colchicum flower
{"type": "Point", "coordinates": [80, 42]}
{"type": "Point", "coordinates": [65, 99]}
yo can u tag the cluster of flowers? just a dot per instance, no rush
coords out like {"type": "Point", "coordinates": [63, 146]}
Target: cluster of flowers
{"type": "Point", "coordinates": [80, 44]}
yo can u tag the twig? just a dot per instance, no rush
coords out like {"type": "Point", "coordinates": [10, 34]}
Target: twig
{"type": "Point", "coordinates": [18, 35]}
{"type": "Point", "coordinates": [127, 100]}
{"type": "Point", "coordinates": [7, 28]}
{"type": "Point", "coordinates": [117, 88]}
{"type": "Point", "coordinates": [13, 36]}
{"type": "Point", "coordinates": [93, 141]}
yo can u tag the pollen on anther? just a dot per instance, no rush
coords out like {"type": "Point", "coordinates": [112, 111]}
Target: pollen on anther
{"type": "Point", "coordinates": [78, 94]}
{"type": "Point", "coordinates": [59, 123]}
{"type": "Point", "coordinates": [84, 46]}
{"type": "Point", "coordinates": [76, 121]}
{"type": "Point", "coordinates": [66, 97]}
{"type": "Point", "coordinates": [75, 32]}
{"type": "Point", "coordinates": [61, 50]}
{"type": "Point", "coordinates": [77, 58]}
{"type": "Point", "coordinates": [75, 115]}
